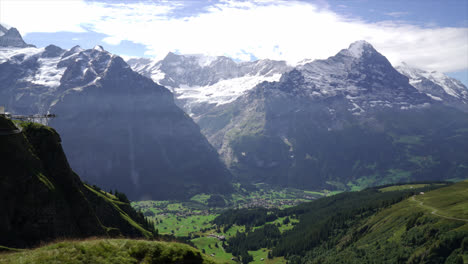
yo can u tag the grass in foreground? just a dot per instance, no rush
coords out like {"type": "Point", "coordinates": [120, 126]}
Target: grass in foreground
{"type": "Point", "coordinates": [109, 251]}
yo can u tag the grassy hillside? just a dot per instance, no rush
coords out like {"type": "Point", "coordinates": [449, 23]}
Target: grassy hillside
{"type": "Point", "coordinates": [414, 223]}
{"type": "Point", "coordinates": [449, 203]}
{"type": "Point", "coordinates": [109, 251]}
{"type": "Point", "coordinates": [426, 228]}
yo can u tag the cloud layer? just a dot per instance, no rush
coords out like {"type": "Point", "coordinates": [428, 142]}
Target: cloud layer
{"type": "Point", "coordinates": [290, 31]}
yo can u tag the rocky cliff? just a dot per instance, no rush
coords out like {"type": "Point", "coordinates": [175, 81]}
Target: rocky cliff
{"type": "Point", "coordinates": [43, 199]}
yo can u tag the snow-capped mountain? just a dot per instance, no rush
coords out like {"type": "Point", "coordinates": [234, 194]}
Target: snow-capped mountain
{"type": "Point", "coordinates": [198, 80]}
{"type": "Point", "coordinates": [350, 118]}
{"type": "Point", "coordinates": [3, 30]}
{"type": "Point", "coordinates": [436, 85]}
{"type": "Point", "coordinates": [361, 75]}
{"type": "Point", "coordinates": [200, 83]}
{"type": "Point", "coordinates": [11, 38]}
{"type": "Point", "coordinates": [119, 129]}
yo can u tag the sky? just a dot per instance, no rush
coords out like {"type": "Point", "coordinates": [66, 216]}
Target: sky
{"type": "Point", "coordinates": [427, 34]}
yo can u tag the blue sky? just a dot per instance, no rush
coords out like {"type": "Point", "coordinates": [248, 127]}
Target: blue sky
{"type": "Point", "coordinates": [430, 34]}
{"type": "Point", "coordinates": [429, 13]}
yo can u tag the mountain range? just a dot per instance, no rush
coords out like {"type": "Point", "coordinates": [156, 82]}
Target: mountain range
{"type": "Point", "coordinates": [120, 130]}
{"type": "Point", "coordinates": [199, 81]}
{"type": "Point", "coordinates": [349, 121]}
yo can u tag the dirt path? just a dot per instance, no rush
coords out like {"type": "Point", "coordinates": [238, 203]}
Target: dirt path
{"type": "Point", "coordinates": [434, 210]}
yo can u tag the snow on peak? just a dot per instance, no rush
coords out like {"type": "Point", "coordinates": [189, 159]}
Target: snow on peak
{"type": "Point", "coordinates": [98, 48]}
{"type": "Point", "coordinates": [451, 86]}
{"type": "Point", "coordinates": [76, 49]}
{"type": "Point", "coordinates": [357, 48]}
{"type": "Point", "coordinates": [409, 71]}
{"type": "Point", "coordinates": [203, 60]}
{"type": "Point", "coordinates": [3, 30]}
{"type": "Point", "coordinates": [304, 62]}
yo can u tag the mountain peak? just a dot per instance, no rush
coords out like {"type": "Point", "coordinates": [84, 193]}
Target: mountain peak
{"type": "Point", "coordinates": [98, 48]}
{"type": "Point", "coordinates": [356, 49]}
{"type": "Point", "coordinates": [12, 38]}
{"type": "Point", "coordinates": [52, 51]}
{"type": "Point", "coordinates": [3, 30]}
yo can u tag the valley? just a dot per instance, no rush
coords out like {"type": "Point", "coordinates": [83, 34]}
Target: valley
{"type": "Point", "coordinates": [194, 217]}
{"type": "Point", "coordinates": [129, 150]}
{"type": "Point", "coordinates": [207, 228]}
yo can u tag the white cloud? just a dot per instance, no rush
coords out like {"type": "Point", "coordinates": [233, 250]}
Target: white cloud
{"type": "Point", "coordinates": [282, 30]}
{"type": "Point", "coordinates": [112, 40]}
{"type": "Point", "coordinates": [397, 14]}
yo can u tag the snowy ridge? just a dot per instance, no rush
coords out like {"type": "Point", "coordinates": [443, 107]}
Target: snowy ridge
{"type": "Point", "coordinates": [46, 74]}
{"type": "Point", "coordinates": [49, 73]}
{"type": "Point", "coordinates": [8, 53]}
{"type": "Point", "coordinates": [359, 73]}
{"type": "Point", "coordinates": [203, 60]}
{"type": "Point", "coordinates": [222, 92]}
{"type": "Point", "coordinates": [362, 76]}
{"type": "Point", "coordinates": [437, 85]}
{"type": "Point", "coordinates": [197, 79]}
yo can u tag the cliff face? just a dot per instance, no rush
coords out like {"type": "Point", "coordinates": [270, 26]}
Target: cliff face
{"type": "Point", "coordinates": [124, 132]}
{"type": "Point", "coordinates": [43, 199]}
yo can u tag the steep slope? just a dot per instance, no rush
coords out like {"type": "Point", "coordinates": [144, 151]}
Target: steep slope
{"type": "Point", "coordinates": [201, 82]}
{"type": "Point", "coordinates": [412, 231]}
{"type": "Point", "coordinates": [43, 199]}
{"type": "Point", "coordinates": [349, 120]}
{"type": "Point", "coordinates": [120, 130]}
